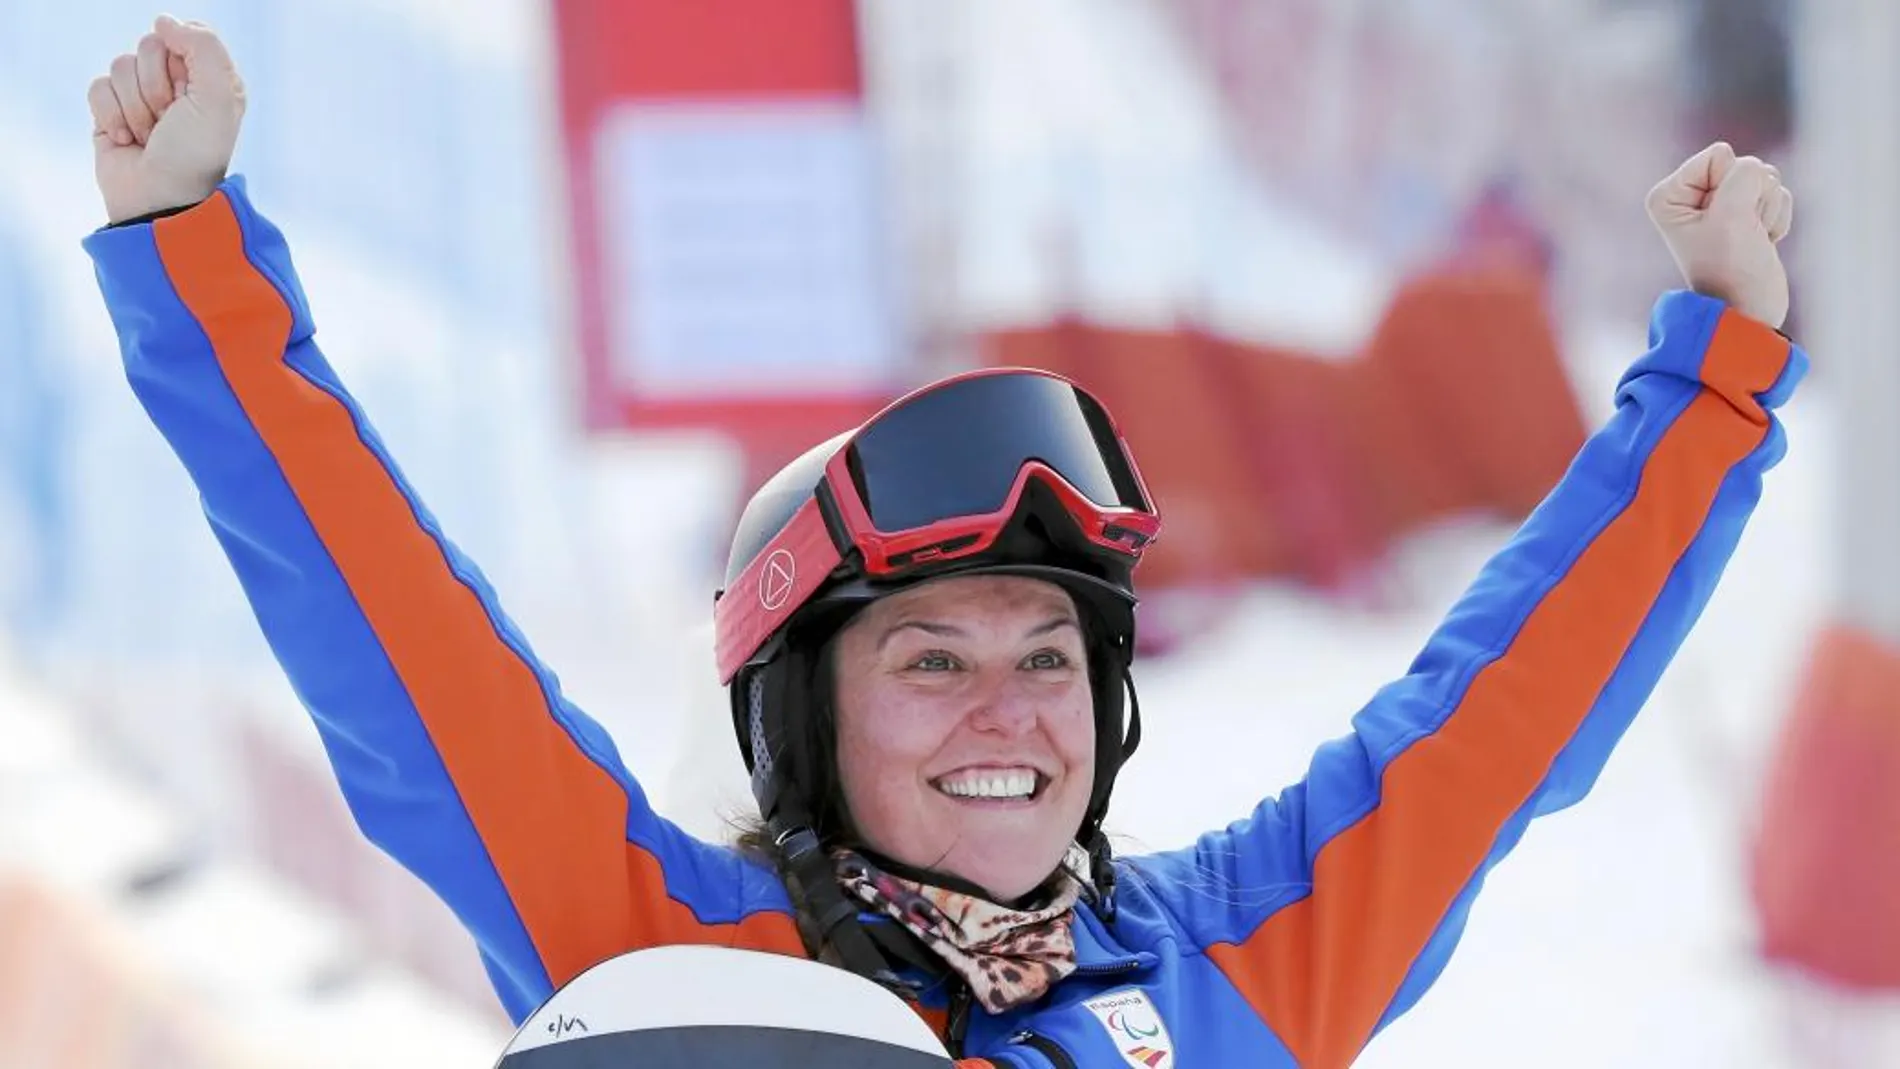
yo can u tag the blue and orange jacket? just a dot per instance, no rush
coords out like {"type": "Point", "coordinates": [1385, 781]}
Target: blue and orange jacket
{"type": "Point", "coordinates": [1289, 938]}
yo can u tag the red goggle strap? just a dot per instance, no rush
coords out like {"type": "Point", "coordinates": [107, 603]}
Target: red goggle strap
{"type": "Point", "coordinates": [798, 561]}
{"type": "Point", "coordinates": [779, 580]}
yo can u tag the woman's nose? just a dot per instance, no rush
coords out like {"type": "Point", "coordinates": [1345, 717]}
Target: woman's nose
{"type": "Point", "coordinates": [1005, 707]}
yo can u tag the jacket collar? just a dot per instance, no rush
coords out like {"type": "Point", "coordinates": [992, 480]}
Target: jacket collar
{"type": "Point", "coordinates": [1098, 951]}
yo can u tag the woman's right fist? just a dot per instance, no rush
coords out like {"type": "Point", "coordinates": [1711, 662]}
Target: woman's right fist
{"type": "Point", "coordinates": [165, 120]}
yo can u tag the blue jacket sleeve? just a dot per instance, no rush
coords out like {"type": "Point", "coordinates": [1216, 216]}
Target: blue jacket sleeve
{"type": "Point", "coordinates": [453, 745]}
{"type": "Point", "coordinates": [1334, 906]}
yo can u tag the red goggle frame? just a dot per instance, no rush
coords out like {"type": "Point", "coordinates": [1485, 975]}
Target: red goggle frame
{"type": "Point", "coordinates": [803, 556]}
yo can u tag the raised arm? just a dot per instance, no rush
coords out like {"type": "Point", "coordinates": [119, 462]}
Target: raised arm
{"type": "Point", "coordinates": [1336, 905]}
{"type": "Point", "coordinates": [452, 743]}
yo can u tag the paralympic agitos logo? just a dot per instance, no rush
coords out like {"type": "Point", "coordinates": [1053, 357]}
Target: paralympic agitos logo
{"type": "Point", "coordinates": [1134, 1023]}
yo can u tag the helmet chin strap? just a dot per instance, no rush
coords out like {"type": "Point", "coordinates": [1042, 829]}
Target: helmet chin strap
{"type": "Point", "coordinates": [1092, 838]}
{"type": "Point", "coordinates": [790, 822]}
{"type": "Point", "coordinates": [834, 916]}
{"type": "Point", "coordinates": [776, 720]}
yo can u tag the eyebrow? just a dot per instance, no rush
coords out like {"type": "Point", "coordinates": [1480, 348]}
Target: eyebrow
{"type": "Point", "coordinates": [931, 627]}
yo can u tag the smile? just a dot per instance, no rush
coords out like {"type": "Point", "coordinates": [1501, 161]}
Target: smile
{"type": "Point", "coordinates": [993, 784]}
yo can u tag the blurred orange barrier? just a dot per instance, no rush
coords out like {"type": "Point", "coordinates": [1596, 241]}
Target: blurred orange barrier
{"type": "Point", "coordinates": [1470, 354]}
{"type": "Point", "coordinates": [74, 995]}
{"type": "Point", "coordinates": [1272, 462]}
{"type": "Point", "coordinates": [1166, 393]}
{"type": "Point", "coordinates": [1826, 865]}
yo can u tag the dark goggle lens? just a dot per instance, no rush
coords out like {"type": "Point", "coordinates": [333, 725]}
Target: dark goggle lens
{"type": "Point", "coordinates": [956, 451]}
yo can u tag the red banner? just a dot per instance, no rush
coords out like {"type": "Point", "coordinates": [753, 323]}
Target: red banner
{"type": "Point", "coordinates": [725, 223]}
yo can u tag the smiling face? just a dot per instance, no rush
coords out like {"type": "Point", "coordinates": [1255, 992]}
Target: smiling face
{"type": "Point", "coordinates": [966, 728]}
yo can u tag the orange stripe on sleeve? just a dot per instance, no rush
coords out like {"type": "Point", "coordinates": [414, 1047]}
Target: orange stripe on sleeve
{"type": "Point", "coordinates": [553, 821]}
{"type": "Point", "coordinates": [1743, 359]}
{"type": "Point", "coordinates": [1323, 970]}
{"type": "Point", "coordinates": [663, 921]}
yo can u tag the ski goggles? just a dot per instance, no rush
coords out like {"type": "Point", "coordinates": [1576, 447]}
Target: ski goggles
{"type": "Point", "coordinates": [936, 478]}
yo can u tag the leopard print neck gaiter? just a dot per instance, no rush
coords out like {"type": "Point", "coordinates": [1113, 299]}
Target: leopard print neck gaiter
{"type": "Point", "coordinates": [1010, 957]}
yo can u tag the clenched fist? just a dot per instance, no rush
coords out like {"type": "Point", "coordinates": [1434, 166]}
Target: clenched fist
{"type": "Point", "coordinates": [165, 120]}
{"type": "Point", "coordinates": [1722, 217]}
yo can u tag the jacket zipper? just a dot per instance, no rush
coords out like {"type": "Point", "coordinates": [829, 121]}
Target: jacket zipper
{"type": "Point", "coordinates": [957, 1021]}
{"type": "Point", "coordinates": [1110, 969]}
{"type": "Point", "coordinates": [1046, 1047]}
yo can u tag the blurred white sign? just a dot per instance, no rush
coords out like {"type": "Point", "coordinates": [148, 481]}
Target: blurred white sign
{"type": "Point", "coordinates": [744, 249]}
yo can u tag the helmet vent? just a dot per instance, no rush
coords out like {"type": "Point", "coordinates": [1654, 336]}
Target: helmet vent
{"type": "Point", "coordinates": [755, 728]}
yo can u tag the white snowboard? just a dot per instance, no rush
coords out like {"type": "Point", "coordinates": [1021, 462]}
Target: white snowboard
{"type": "Point", "coordinates": [718, 1008]}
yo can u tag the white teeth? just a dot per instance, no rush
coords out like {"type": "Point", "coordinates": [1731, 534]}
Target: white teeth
{"type": "Point", "coordinates": [1014, 784]}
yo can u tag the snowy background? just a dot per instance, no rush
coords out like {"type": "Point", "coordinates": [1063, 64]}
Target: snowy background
{"type": "Point", "coordinates": [404, 147]}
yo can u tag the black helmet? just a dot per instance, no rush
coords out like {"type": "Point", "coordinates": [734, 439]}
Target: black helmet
{"type": "Point", "coordinates": [1003, 472]}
